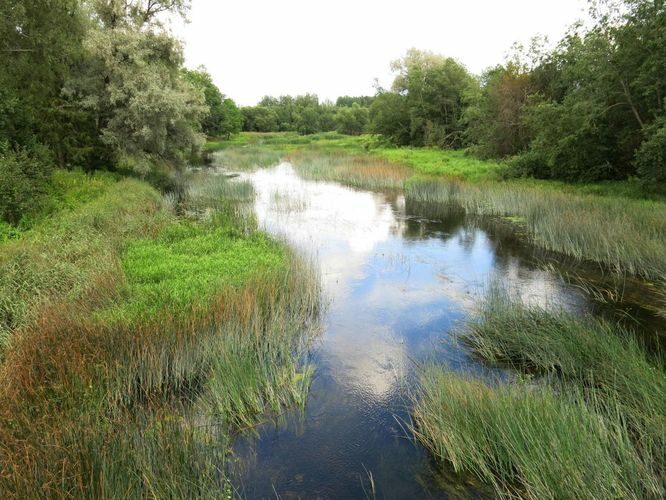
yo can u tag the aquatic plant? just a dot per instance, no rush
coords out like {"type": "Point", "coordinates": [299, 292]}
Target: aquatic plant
{"type": "Point", "coordinates": [627, 237]}
{"type": "Point", "coordinates": [530, 440]}
{"type": "Point", "coordinates": [128, 369]}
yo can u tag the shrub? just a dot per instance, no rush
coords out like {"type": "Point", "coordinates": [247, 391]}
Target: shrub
{"type": "Point", "coordinates": [651, 160]}
{"type": "Point", "coordinates": [25, 179]}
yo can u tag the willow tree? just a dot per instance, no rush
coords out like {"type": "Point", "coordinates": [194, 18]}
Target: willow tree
{"type": "Point", "coordinates": [147, 115]}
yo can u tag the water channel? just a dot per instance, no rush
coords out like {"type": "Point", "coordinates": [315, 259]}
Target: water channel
{"type": "Point", "coordinates": [398, 285]}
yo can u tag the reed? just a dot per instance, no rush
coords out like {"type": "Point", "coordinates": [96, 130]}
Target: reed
{"type": "Point", "coordinates": [245, 158]}
{"type": "Point", "coordinates": [627, 236]}
{"type": "Point", "coordinates": [363, 172]}
{"type": "Point", "coordinates": [590, 353]}
{"type": "Point", "coordinates": [530, 441]}
{"type": "Point", "coordinates": [184, 330]}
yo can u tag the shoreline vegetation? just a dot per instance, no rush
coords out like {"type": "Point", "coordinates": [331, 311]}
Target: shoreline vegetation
{"type": "Point", "coordinates": [135, 341]}
{"type": "Point", "coordinates": [144, 318]}
{"type": "Point", "coordinates": [583, 416]}
{"type": "Point", "coordinates": [578, 220]}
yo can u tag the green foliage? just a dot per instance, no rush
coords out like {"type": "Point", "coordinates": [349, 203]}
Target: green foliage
{"type": "Point", "coordinates": [496, 117]}
{"type": "Point", "coordinates": [428, 100]}
{"type": "Point", "coordinates": [587, 352]}
{"type": "Point", "coordinates": [651, 160]}
{"type": "Point", "coordinates": [351, 120]}
{"type": "Point", "coordinates": [131, 372]}
{"type": "Point", "coordinates": [145, 110]}
{"type": "Point", "coordinates": [190, 262]}
{"type": "Point", "coordinates": [223, 118]}
{"type": "Point", "coordinates": [306, 115]}
{"type": "Point", "coordinates": [260, 119]}
{"type": "Point", "coordinates": [25, 180]}
{"type": "Point", "coordinates": [389, 116]}
{"type": "Point", "coordinates": [530, 440]}
{"type": "Point", "coordinates": [63, 254]}
{"type": "Point", "coordinates": [232, 120]}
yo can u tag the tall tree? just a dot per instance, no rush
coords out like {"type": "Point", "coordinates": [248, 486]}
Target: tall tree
{"type": "Point", "coordinates": [145, 112]}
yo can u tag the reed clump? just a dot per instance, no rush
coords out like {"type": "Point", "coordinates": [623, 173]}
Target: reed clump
{"type": "Point", "coordinates": [590, 425]}
{"type": "Point", "coordinates": [364, 172]}
{"type": "Point", "coordinates": [627, 236]}
{"type": "Point", "coordinates": [249, 157]}
{"type": "Point", "coordinates": [531, 441]}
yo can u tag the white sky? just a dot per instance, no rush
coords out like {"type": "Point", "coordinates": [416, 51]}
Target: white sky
{"type": "Point", "coordinates": [254, 48]}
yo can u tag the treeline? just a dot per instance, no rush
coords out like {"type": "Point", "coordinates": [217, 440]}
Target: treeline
{"type": "Point", "coordinates": [590, 109]}
{"type": "Point", "coordinates": [97, 84]}
{"type": "Point", "coordinates": [305, 114]}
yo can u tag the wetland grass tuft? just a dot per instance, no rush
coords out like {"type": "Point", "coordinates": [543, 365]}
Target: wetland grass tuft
{"type": "Point", "coordinates": [530, 441]}
{"type": "Point", "coordinates": [364, 172]}
{"type": "Point", "coordinates": [592, 425]}
{"type": "Point", "coordinates": [627, 236]}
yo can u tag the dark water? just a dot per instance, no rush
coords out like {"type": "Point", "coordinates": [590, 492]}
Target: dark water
{"type": "Point", "coordinates": [398, 284]}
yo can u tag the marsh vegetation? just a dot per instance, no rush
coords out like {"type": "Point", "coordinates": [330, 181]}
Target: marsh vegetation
{"type": "Point", "coordinates": [128, 365]}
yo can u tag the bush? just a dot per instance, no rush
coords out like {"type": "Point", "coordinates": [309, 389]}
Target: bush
{"type": "Point", "coordinates": [651, 160]}
{"type": "Point", "coordinates": [527, 164]}
{"type": "Point", "coordinates": [25, 179]}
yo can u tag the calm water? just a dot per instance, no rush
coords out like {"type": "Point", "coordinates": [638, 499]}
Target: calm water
{"type": "Point", "coordinates": [398, 284]}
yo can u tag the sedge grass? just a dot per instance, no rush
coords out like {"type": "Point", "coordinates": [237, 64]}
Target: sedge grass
{"type": "Point", "coordinates": [357, 171]}
{"type": "Point", "coordinates": [159, 338]}
{"type": "Point", "coordinates": [590, 353]}
{"type": "Point", "coordinates": [627, 236]}
{"type": "Point", "coordinates": [530, 441]}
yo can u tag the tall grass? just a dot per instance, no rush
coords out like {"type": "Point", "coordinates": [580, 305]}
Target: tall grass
{"type": "Point", "coordinates": [184, 331]}
{"type": "Point", "coordinates": [245, 158]}
{"type": "Point", "coordinates": [599, 356]}
{"type": "Point", "coordinates": [357, 171]}
{"type": "Point", "coordinates": [628, 236]}
{"type": "Point", "coordinates": [592, 426]}
{"type": "Point", "coordinates": [529, 441]}
{"type": "Point", "coordinates": [62, 257]}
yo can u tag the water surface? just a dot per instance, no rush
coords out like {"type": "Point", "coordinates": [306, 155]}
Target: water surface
{"type": "Point", "coordinates": [398, 284]}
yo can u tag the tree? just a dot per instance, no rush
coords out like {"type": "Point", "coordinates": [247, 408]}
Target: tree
{"type": "Point", "coordinates": [40, 43]}
{"type": "Point", "coordinates": [145, 111]}
{"type": "Point", "coordinates": [434, 88]}
{"type": "Point", "coordinates": [232, 121]}
{"type": "Point", "coordinates": [389, 116]}
{"type": "Point", "coordinates": [259, 119]}
{"type": "Point", "coordinates": [496, 119]}
{"type": "Point", "coordinates": [211, 125]}
{"type": "Point", "coordinates": [351, 120]}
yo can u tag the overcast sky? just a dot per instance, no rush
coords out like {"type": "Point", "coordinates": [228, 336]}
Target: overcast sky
{"type": "Point", "coordinates": [254, 48]}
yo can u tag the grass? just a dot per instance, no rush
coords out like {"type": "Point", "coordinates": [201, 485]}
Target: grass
{"type": "Point", "coordinates": [139, 341]}
{"type": "Point", "coordinates": [423, 161]}
{"type": "Point", "coordinates": [245, 158]}
{"type": "Point", "coordinates": [593, 426]}
{"type": "Point", "coordinates": [362, 172]}
{"type": "Point", "coordinates": [528, 441]}
{"type": "Point", "coordinates": [604, 222]}
{"type": "Point", "coordinates": [628, 236]}
{"type": "Point", "coordinates": [584, 351]}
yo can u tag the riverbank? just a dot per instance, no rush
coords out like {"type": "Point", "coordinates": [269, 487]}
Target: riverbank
{"type": "Point", "coordinates": [615, 225]}
{"type": "Point", "coordinates": [139, 332]}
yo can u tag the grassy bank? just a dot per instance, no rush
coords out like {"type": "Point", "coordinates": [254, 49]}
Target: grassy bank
{"type": "Point", "coordinates": [136, 342]}
{"type": "Point", "coordinates": [592, 426]}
